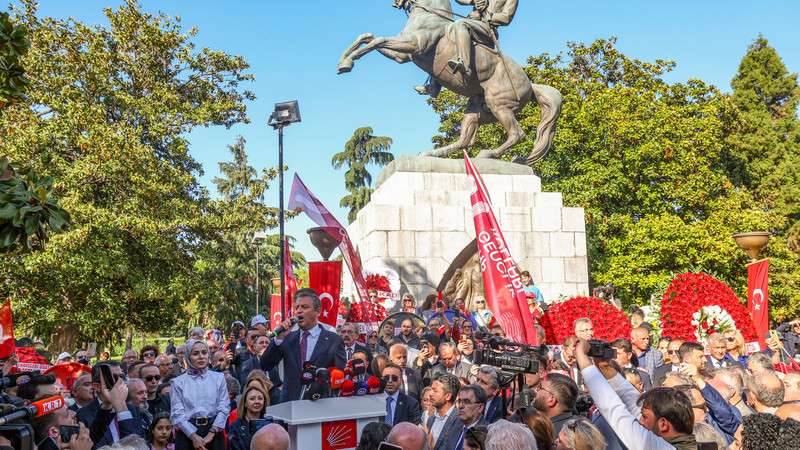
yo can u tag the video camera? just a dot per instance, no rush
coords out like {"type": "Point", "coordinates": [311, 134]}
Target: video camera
{"type": "Point", "coordinates": [506, 355]}
{"type": "Point", "coordinates": [601, 350]}
{"type": "Point", "coordinates": [15, 421]}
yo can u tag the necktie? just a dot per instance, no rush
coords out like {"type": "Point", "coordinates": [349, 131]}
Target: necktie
{"type": "Point", "coordinates": [460, 444]}
{"type": "Point", "coordinates": [388, 418]}
{"type": "Point", "coordinates": [349, 353]}
{"type": "Point", "coordinates": [303, 344]}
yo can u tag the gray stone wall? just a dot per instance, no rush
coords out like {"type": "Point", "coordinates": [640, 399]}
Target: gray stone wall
{"type": "Point", "coordinates": [419, 219]}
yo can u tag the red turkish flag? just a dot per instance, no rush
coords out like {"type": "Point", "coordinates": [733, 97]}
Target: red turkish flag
{"type": "Point", "coordinates": [276, 316]}
{"type": "Point", "coordinates": [7, 346]}
{"type": "Point", "coordinates": [340, 434]}
{"type": "Point", "coordinates": [304, 200]}
{"type": "Point", "coordinates": [758, 297]}
{"type": "Point", "coordinates": [325, 277]}
{"type": "Point", "coordinates": [502, 285]}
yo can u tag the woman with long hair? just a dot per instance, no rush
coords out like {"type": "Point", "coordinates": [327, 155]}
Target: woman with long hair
{"type": "Point", "coordinates": [426, 404]}
{"type": "Point", "coordinates": [252, 407]}
{"type": "Point", "coordinates": [540, 425]}
{"type": "Point", "coordinates": [159, 434]}
{"type": "Point", "coordinates": [372, 435]}
{"type": "Point", "coordinates": [200, 403]}
{"type": "Point", "coordinates": [734, 342]}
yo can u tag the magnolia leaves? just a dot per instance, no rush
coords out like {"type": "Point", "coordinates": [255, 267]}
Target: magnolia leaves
{"type": "Point", "coordinates": [27, 209]}
{"type": "Point", "coordinates": [14, 44]}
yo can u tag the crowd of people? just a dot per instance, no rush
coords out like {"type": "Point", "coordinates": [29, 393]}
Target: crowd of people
{"type": "Point", "coordinates": [214, 392]}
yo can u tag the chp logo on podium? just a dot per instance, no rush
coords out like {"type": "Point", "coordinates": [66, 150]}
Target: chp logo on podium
{"type": "Point", "coordinates": [340, 434]}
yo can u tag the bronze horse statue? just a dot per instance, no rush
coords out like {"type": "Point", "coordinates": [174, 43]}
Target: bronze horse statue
{"type": "Point", "coordinates": [496, 86]}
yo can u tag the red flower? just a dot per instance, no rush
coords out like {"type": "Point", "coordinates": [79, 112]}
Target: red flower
{"type": "Point", "coordinates": [609, 322]}
{"type": "Point", "coordinates": [689, 292]}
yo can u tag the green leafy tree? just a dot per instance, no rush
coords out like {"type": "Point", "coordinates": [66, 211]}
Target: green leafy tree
{"type": "Point", "coordinates": [361, 149]}
{"type": "Point", "coordinates": [107, 114]}
{"type": "Point", "coordinates": [27, 209]}
{"type": "Point", "coordinates": [14, 44]}
{"type": "Point", "coordinates": [650, 163]}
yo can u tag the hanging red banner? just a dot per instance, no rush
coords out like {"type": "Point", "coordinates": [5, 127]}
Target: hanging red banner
{"type": "Point", "coordinates": [288, 275]}
{"type": "Point", "coordinates": [758, 298]}
{"type": "Point", "coordinates": [7, 346]}
{"type": "Point", "coordinates": [325, 277]}
{"type": "Point", "coordinates": [502, 286]}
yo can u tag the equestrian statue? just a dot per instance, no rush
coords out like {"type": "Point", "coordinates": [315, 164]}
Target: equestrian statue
{"type": "Point", "coordinates": [464, 56]}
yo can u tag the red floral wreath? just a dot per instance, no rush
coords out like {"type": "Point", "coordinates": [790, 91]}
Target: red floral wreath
{"type": "Point", "coordinates": [608, 321]}
{"type": "Point", "coordinates": [689, 292]}
{"type": "Point", "coordinates": [368, 311]}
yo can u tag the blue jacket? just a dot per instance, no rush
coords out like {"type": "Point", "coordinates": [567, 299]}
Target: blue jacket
{"type": "Point", "coordinates": [723, 416]}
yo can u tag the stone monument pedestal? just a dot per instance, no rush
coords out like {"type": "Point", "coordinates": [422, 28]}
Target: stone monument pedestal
{"type": "Point", "coordinates": [419, 223]}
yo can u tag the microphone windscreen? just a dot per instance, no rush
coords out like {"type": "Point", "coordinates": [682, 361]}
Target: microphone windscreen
{"type": "Point", "coordinates": [358, 367]}
{"type": "Point", "coordinates": [337, 378]}
{"type": "Point", "coordinates": [374, 385]}
{"type": "Point", "coordinates": [348, 389]}
{"type": "Point", "coordinates": [362, 388]}
{"type": "Point", "coordinates": [48, 405]}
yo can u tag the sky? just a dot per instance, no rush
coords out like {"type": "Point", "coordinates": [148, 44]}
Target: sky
{"type": "Point", "coordinates": [293, 48]}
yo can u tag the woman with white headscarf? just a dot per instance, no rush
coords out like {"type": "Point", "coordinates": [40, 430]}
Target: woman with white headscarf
{"type": "Point", "coordinates": [200, 403]}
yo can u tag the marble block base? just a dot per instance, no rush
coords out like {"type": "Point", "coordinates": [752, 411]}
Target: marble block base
{"type": "Point", "coordinates": [419, 220]}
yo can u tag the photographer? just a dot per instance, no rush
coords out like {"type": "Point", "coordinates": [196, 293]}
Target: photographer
{"type": "Point", "coordinates": [48, 436]}
{"type": "Point", "coordinates": [666, 414]}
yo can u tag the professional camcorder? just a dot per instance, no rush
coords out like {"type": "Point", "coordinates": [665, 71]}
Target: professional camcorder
{"type": "Point", "coordinates": [506, 355]}
{"type": "Point", "coordinates": [601, 350]}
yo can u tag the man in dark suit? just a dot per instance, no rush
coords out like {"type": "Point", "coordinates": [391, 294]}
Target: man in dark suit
{"type": "Point", "coordinates": [399, 406]}
{"type": "Point", "coordinates": [100, 414]}
{"type": "Point", "coordinates": [718, 357]}
{"type": "Point", "coordinates": [444, 426]}
{"type": "Point", "coordinates": [487, 380]}
{"type": "Point", "coordinates": [450, 361]}
{"type": "Point", "coordinates": [348, 334]}
{"type": "Point", "coordinates": [412, 382]}
{"type": "Point", "coordinates": [309, 343]}
{"type": "Point", "coordinates": [470, 404]}
{"type": "Point", "coordinates": [661, 372]}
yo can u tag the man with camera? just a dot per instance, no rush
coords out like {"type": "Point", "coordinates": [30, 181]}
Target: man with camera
{"type": "Point", "coordinates": [58, 431]}
{"type": "Point", "coordinates": [665, 418]}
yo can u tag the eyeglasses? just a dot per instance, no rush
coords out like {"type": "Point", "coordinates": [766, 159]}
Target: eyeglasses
{"type": "Point", "coordinates": [391, 378]}
{"type": "Point", "coordinates": [465, 401]}
{"type": "Point", "coordinates": [731, 339]}
{"type": "Point", "coordinates": [148, 354]}
{"type": "Point", "coordinates": [672, 352]}
{"type": "Point", "coordinates": [150, 378]}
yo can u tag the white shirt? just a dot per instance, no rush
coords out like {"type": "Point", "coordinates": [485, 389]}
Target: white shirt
{"type": "Point", "coordinates": [348, 351]}
{"type": "Point", "coordinates": [616, 401]}
{"type": "Point", "coordinates": [199, 396]}
{"type": "Point", "coordinates": [439, 421]}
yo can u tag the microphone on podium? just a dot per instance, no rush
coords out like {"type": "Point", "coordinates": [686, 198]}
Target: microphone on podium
{"type": "Point", "coordinates": [307, 377]}
{"type": "Point", "coordinates": [320, 388]}
{"type": "Point", "coordinates": [348, 389]}
{"type": "Point", "coordinates": [337, 378]}
{"type": "Point", "coordinates": [362, 388]}
{"type": "Point", "coordinates": [374, 385]}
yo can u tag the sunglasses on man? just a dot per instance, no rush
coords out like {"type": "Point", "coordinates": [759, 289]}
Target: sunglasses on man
{"type": "Point", "coordinates": [393, 378]}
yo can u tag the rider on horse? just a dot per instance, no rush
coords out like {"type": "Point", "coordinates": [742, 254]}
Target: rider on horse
{"type": "Point", "coordinates": [481, 28]}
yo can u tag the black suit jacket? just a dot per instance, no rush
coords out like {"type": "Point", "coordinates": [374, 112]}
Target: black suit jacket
{"type": "Point", "coordinates": [413, 384]}
{"type": "Point", "coordinates": [451, 432]}
{"type": "Point", "coordinates": [494, 410]}
{"type": "Point", "coordinates": [97, 420]}
{"type": "Point", "coordinates": [406, 410]}
{"type": "Point", "coordinates": [328, 352]}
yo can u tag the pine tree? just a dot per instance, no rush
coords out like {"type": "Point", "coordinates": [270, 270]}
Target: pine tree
{"type": "Point", "coordinates": [361, 149]}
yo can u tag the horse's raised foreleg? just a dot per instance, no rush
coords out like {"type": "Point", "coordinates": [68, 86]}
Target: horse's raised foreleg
{"type": "Point", "coordinates": [399, 44]}
{"type": "Point", "coordinates": [360, 40]}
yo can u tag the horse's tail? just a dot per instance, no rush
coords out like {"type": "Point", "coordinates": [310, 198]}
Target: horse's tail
{"type": "Point", "coordinates": [549, 100]}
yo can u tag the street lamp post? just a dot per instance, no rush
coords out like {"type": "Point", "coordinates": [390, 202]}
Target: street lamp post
{"type": "Point", "coordinates": [258, 237]}
{"type": "Point", "coordinates": [285, 114]}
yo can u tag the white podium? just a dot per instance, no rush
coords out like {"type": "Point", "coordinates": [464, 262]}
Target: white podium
{"type": "Point", "coordinates": [330, 423]}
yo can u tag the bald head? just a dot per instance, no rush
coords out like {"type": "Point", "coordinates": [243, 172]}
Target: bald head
{"type": "Point", "coordinates": [407, 435]}
{"type": "Point", "coordinates": [270, 437]}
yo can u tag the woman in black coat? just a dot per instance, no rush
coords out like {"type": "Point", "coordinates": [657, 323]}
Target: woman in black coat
{"type": "Point", "coordinates": [251, 409]}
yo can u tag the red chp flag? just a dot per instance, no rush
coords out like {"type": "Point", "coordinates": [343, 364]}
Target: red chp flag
{"type": "Point", "coordinates": [758, 298]}
{"type": "Point", "coordinates": [7, 346]}
{"type": "Point", "coordinates": [304, 200]}
{"type": "Point", "coordinates": [325, 278]}
{"type": "Point", "coordinates": [502, 285]}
